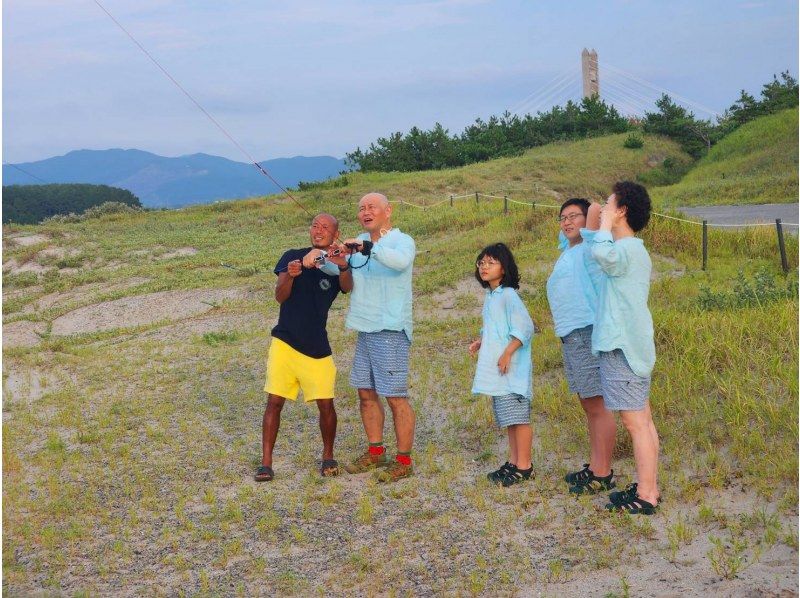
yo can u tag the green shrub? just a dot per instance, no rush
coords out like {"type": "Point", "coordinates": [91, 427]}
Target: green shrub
{"type": "Point", "coordinates": [341, 181]}
{"type": "Point", "coordinates": [214, 339]}
{"type": "Point", "coordinates": [746, 293]}
{"type": "Point", "coordinates": [633, 141]}
{"type": "Point", "coordinates": [21, 280]}
{"type": "Point", "coordinates": [668, 173]}
{"type": "Point", "coordinates": [109, 207]}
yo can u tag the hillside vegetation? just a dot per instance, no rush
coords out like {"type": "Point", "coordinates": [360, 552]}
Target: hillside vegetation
{"type": "Point", "coordinates": [757, 163]}
{"type": "Point", "coordinates": [129, 444]}
{"type": "Point", "coordinates": [30, 204]}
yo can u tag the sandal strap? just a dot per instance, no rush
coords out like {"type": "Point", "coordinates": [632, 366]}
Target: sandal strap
{"type": "Point", "coordinates": [635, 502]}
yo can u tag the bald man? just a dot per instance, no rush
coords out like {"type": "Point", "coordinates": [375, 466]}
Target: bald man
{"type": "Point", "coordinates": [380, 310]}
{"type": "Point", "coordinates": [299, 354]}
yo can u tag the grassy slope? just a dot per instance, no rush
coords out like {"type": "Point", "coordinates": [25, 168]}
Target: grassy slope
{"type": "Point", "coordinates": [755, 164]}
{"type": "Point", "coordinates": [139, 460]}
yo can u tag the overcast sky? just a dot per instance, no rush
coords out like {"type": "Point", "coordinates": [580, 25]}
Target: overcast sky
{"type": "Point", "coordinates": [314, 77]}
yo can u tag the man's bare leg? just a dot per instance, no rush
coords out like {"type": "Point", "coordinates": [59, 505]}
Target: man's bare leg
{"type": "Point", "coordinates": [602, 435]}
{"type": "Point", "coordinates": [645, 451]}
{"type": "Point", "coordinates": [404, 422]}
{"type": "Point", "coordinates": [372, 414]}
{"type": "Point", "coordinates": [269, 427]}
{"type": "Point", "coordinates": [327, 426]}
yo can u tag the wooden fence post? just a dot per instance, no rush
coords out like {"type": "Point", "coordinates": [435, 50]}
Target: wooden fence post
{"type": "Point", "coordinates": [451, 200]}
{"type": "Point", "coordinates": [781, 245]}
{"type": "Point", "coordinates": [505, 204]}
{"type": "Point", "coordinates": [476, 197]}
{"type": "Point", "coordinates": [705, 244]}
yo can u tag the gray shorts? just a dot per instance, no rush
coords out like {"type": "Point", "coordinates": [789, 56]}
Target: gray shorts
{"type": "Point", "coordinates": [510, 410]}
{"type": "Point", "coordinates": [580, 366]}
{"type": "Point", "coordinates": [381, 363]}
{"type": "Point", "coordinates": [623, 390]}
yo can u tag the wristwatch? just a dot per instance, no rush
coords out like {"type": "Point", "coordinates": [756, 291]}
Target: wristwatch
{"type": "Point", "coordinates": [345, 269]}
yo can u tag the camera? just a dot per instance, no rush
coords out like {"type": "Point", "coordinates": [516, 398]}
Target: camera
{"type": "Point", "coordinates": [366, 247]}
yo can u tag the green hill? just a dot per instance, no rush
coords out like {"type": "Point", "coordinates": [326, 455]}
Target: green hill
{"type": "Point", "coordinates": [755, 164]}
{"type": "Point", "coordinates": [133, 403]}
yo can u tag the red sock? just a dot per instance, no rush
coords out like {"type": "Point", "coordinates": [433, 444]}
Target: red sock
{"type": "Point", "coordinates": [377, 450]}
{"type": "Point", "coordinates": [404, 459]}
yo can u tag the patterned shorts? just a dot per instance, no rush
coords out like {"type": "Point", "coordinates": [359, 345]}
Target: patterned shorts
{"type": "Point", "coordinates": [580, 366]}
{"type": "Point", "coordinates": [623, 390]}
{"type": "Point", "coordinates": [511, 409]}
{"type": "Point", "coordinates": [381, 363]}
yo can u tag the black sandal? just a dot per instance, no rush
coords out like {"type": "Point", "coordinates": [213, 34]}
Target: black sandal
{"type": "Point", "coordinates": [264, 474]}
{"type": "Point", "coordinates": [329, 468]}
{"type": "Point", "coordinates": [577, 477]}
{"type": "Point", "coordinates": [499, 474]}
{"type": "Point", "coordinates": [593, 484]}
{"type": "Point", "coordinates": [628, 501]}
{"type": "Point", "coordinates": [515, 475]}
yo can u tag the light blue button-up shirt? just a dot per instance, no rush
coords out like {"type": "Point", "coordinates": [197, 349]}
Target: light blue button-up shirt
{"type": "Point", "coordinates": [623, 320]}
{"type": "Point", "coordinates": [572, 289]}
{"type": "Point", "coordinates": [381, 296]}
{"type": "Point", "coordinates": [504, 316]}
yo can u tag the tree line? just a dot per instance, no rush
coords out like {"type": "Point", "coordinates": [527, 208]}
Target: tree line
{"type": "Point", "coordinates": [510, 135]}
{"type": "Point", "coordinates": [30, 204]}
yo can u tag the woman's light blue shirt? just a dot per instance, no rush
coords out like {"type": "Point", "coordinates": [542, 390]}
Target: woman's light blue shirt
{"type": "Point", "coordinates": [571, 289]}
{"type": "Point", "coordinates": [381, 296]}
{"type": "Point", "coordinates": [623, 320]}
{"type": "Point", "coordinates": [504, 316]}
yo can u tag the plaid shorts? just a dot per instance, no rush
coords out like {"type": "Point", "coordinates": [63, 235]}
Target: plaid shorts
{"type": "Point", "coordinates": [581, 368]}
{"type": "Point", "coordinates": [511, 409]}
{"type": "Point", "coordinates": [623, 390]}
{"type": "Point", "coordinates": [381, 363]}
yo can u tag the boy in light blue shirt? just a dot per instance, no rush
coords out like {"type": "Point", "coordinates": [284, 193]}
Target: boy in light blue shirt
{"type": "Point", "coordinates": [572, 294]}
{"type": "Point", "coordinates": [623, 332]}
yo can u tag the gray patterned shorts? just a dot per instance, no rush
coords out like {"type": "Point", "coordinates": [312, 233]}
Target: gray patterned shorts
{"type": "Point", "coordinates": [381, 363]}
{"type": "Point", "coordinates": [580, 366]}
{"type": "Point", "coordinates": [512, 409]}
{"type": "Point", "coordinates": [623, 390]}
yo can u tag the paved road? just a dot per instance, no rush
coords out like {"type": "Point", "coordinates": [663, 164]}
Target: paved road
{"type": "Point", "coordinates": [787, 212]}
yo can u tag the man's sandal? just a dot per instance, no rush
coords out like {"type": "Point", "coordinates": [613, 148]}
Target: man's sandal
{"type": "Point", "coordinates": [498, 474]}
{"type": "Point", "coordinates": [593, 484]}
{"type": "Point", "coordinates": [628, 501]}
{"type": "Point", "coordinates": [329, 468]}
{"type": "Point", "coordinates": [577, 477]}
{"type": "Point", "coordinates": [264, 474]}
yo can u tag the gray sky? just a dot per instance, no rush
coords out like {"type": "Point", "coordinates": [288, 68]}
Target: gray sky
{"type": "Point", "coordinates": [312, 77]}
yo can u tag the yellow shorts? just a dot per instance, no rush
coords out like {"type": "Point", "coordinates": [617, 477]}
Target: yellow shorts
{"type": "Point", "coordinates": [289, 371]}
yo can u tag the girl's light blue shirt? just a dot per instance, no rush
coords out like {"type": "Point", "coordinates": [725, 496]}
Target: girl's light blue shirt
{"type": "Point", "coordinates": [381, 295]}
{"type": "Point", "coordinates": [504, 316]}
{"type": "Point", "coordinates": [571, 289]}
{"type": "Point", "coordinates": [623, 320]}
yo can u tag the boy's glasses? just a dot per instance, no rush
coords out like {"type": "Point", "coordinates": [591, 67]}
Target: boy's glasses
{"type": "Point", "coordinates": [486, 263]}
{"type": "Point", "coordinates": [570, 217]}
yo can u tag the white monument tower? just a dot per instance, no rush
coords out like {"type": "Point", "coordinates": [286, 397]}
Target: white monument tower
{"type": "Point", "coordinates": [591, 77]}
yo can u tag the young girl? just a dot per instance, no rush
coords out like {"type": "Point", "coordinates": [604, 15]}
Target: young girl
{"type": "Point", "coordinates": [504, 359]}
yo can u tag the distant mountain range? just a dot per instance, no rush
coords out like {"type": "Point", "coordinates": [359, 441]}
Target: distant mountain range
{"type": "Point", "coordinates": [161, 182]}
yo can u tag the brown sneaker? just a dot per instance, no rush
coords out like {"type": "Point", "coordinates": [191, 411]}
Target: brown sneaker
{"type": "Point", "coordinates": [394, 472]}
{"type": "Point", "coordinates": [366, 462]}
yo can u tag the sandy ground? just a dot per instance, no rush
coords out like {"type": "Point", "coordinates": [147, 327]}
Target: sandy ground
{"type": "Point", "coordinates": [22, 333]}
{"type": "Point", "coordinates": [141, 310]}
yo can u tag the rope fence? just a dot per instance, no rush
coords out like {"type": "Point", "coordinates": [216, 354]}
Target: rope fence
{"type": "Point", "coordinates": [533, 204]}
